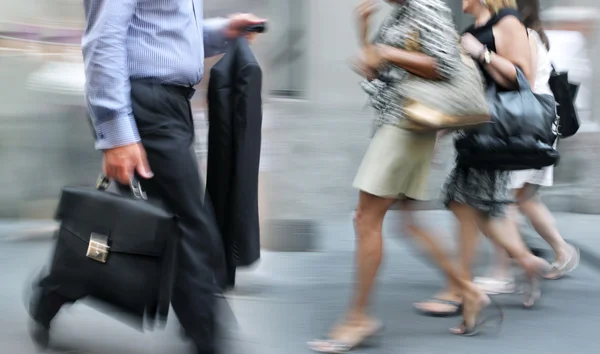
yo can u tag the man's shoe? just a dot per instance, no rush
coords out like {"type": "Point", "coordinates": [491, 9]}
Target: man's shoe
{"type": "Point", "coordinates": [40, 335]}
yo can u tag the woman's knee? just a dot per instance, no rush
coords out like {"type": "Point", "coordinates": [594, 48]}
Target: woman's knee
{"type": "Point", "coordinates": [366, 217]}
{"type": "Point", "coordinates": [370, 210]}
{"type": "Point", "coordinates": [530, 206]}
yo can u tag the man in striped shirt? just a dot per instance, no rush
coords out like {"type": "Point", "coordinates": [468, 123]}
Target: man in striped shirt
{"type": "Point", "coordinates": [142, 58]}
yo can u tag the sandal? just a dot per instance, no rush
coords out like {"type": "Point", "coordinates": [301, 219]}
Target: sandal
{"type": "Point", "coordinates": [559, 270]}
{"type": "Point", "coordinates": [456, 306]}
{"type": "Point", "coordinates": [481, 320]}
{"type": "Point", "coordinates": [494, 286]}
{"type": "Point", "coordinates": [342, 346]}
{"type": "Point", "coordinates": [532, 287]}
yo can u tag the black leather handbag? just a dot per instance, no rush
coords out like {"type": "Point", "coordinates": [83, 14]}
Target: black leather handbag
{"type": "Point", "coordinates": [115, 248]}
{"type": "Point", "coordinates": [521, 135]}
{"type": "Point", "coordinates": [565, 94]}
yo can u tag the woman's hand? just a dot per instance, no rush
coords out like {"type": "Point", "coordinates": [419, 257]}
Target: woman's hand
{"type": "Point", "coordinates": [368, 62]}
{"type": "Point", "coordinates": [365, 9]}
{"type": "Point", "coordinates": [372, 57]}
{"type": "Point", "coordinates": [361, 69]}
{"type": "Point", "coordinates": [472, 46]}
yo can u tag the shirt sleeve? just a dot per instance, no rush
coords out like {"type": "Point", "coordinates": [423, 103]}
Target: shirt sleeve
{"type": "Point", "coordinates": [215, 40]}
{"type": "Point", "coordinates": [107, 87]}
{"type": "Point", "coordinates": [439, 38]}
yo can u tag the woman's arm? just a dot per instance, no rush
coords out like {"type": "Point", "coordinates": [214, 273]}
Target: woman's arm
{"type": "Point", "coordinates": [364, 13]}
{"type": "Point", "coordinates": [512, 49]}
{"type": "Point", "coordinates": [438, 56]}
{"type": "Point", "coordinates": [414, 62]}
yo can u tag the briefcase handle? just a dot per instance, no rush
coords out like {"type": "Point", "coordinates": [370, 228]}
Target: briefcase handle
{"type": "Point", "coordinates": [134, 184]}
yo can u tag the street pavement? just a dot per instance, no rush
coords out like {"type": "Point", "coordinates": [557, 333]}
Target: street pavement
{"type": "Point", "coordinates": [289, 298]}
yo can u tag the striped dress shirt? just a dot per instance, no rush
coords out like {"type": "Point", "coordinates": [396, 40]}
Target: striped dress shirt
{"type": "Point", "coordinates": [164, 41]}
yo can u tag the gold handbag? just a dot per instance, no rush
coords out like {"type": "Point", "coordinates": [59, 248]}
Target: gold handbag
{"type": "Point", "coordinates": [452, 104]}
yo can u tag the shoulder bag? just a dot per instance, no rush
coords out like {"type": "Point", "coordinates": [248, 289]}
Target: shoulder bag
{"type": "Point", "coordinates": [521, 135]}
{"type": "Point", "coordinates": [445, 104]}
{"type": "Point", "coordinates": [565, 94]}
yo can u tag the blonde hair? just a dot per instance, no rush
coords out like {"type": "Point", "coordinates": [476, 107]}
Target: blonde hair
{"type": "Point", "coordinates": [496, 5]}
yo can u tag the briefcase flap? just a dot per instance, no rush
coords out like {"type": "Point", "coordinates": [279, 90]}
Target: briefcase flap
{"type": "Point", "coordinates": [132, 226]}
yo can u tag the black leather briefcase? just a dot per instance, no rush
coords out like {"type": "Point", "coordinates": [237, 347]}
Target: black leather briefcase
{"type": "Point", "coordinates": [116, 248]}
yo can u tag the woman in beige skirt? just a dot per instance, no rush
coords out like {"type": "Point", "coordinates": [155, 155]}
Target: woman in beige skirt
{"type": "Point", "coordinates": [397, 163]}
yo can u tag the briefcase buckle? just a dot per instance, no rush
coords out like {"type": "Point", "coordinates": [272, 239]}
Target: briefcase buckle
{"type": "Point", "coordinates": [98, 248]}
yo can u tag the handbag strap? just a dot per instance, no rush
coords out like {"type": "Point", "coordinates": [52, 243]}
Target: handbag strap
{"type": "Point", "coordinates": [522, 80]}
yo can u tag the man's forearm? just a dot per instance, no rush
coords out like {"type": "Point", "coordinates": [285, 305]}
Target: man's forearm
{"type": "Point", "coordinates": [107, 88]}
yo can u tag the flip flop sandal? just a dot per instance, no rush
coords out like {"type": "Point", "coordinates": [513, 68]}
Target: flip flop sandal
{"type": "Point", "coordinates": [456, 304]}
{"type": "Point", "coordinates": [337, 346]}
{"type": "Point", "coordinates": [494, 319]}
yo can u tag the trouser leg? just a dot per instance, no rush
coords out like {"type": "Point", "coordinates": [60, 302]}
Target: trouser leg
{"type": "Point", "coordinates": [166, 127]}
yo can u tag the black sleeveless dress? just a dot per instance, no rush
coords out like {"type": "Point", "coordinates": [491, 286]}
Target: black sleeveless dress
{"type": "Point", "coordinates": [486, 191]}
{"type": "Point", "coordinates": [485, 34]}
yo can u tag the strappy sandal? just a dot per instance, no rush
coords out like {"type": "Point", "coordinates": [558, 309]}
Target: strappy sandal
{"type": "Point", "coordinates": [532, 290]}
{"type": "Point", "coordinates": [496, 318]}
{"type": "Point", "coordinates": [532, 286]}
{"type": "Point", "coordinates": [559, 270]}
{"type": "Point", "coordinates": [494, 286]}
{"type": "Point", "coordinates": [338, 346]}
{"type": "Point", "coordinates": [456, 305]}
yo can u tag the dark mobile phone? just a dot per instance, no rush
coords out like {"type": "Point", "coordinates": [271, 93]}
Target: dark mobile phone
{"type": "Point", "coordinates": [258, 28]}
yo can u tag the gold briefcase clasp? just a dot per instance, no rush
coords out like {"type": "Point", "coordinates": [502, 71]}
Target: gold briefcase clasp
{"type": "Point", "coordinates": [98, 248]}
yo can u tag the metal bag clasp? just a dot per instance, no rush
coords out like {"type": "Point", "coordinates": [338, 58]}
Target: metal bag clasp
{"type": "Point", "coordinates": [98, 248]}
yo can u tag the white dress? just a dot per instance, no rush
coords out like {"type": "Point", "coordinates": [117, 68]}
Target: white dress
{"type": "Point", "coordinates": [545, 176]}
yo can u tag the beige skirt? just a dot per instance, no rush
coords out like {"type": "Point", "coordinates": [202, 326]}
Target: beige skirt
{"type": "Point", "coordinates": [397, 164]}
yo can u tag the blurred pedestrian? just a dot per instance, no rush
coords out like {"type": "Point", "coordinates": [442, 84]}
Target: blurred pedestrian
{"type": "Point", "coordinates": [527, 183]}
{"type": "Point", "coordinates": [142, 60]}
{"type": "Point", "coordinates": [398, 161]}
{"type": "Point", "coordinates": [479, 198]}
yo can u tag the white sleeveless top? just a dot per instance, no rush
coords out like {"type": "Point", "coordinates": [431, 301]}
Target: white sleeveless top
{"type": "Point", "coordinates": [545, 176]}
{"type": "Point", "coordinates": [544, 67]}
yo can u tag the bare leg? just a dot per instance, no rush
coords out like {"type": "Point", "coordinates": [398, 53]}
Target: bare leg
{"type": "Point", "coordinates": [544, 223]}
{"type": "Point", "coordinates": [368, 223]}
{"type": "Point", "coordinates": [433, 248]}
{"type": "Point", "coordinates": [468, 234]}
{"type": "Point", "coordinates": [502, 259]}
{"type": "Point", "coordinates": [500, 279]}
{"type": "Point", "coordinates": [566, 256]}
{"type": "Point", "coordinates": [473, 298]}
{"type": "Point", "coordinates": [358, 325]}
{"type": "Point", "coordinates": [504, 233]}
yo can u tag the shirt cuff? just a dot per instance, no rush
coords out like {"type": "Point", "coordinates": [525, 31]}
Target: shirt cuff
{"type": "Point", "coordinates": [117, 132]}
{"type": "Point", "coordinates": [215, 38]}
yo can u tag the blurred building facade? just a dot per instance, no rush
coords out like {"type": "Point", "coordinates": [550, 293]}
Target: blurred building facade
{"type": "Point", "coordinates": [304, 56]}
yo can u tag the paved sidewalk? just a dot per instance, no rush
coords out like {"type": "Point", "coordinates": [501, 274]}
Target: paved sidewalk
{"type": "Point", "coordinates": [288, 298]}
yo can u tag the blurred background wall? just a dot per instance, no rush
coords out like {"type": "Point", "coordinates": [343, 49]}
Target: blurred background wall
{"type": "Point", "coordinates": [309, 92]}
